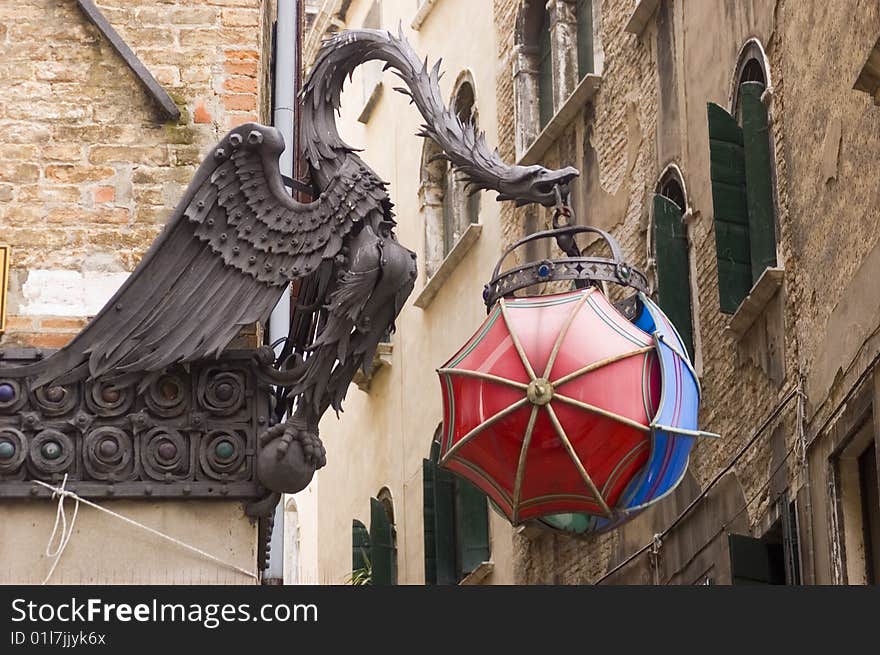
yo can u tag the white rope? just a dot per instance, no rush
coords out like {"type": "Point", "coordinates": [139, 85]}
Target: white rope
{"type": "Point", "coordinates": [60, 517]}
{"type": "Point", "coordinates": [67, 531]}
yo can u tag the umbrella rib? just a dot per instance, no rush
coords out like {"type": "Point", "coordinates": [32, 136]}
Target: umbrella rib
{"type": "Point", "coordinates": [577, 462]}
{"type": "Point", "coordinates": [482, 426]}
{"type": "Point", "coordinates": [521, 466]}
{"type": "Point", "coordinates": [516, 342]}
{"type": "Point", "coordinates": [602, 412]}
{"type": "Point", "coordinates": [597, 365]}
{"type": "Point", "coordinates": [563, 332]}
{"type": "Point", "coordinates": [483, 376]}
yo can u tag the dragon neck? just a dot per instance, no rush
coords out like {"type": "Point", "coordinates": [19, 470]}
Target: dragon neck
{"type": "Point", "coordinates": [324, 149]}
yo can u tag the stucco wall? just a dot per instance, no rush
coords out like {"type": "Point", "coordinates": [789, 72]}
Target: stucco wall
{"type": "Point", "coordinates": [383, 435]}
{"type": "Point", "coordinates": [104, 550]}
{"type": "Point", "coordinates": [89, 172]}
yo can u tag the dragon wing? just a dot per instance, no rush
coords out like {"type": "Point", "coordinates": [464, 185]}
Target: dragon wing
{"type": "Point", "coordinates": [227, 253]}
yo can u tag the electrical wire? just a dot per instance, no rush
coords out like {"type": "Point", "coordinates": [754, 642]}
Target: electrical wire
{"type": "Point", "coordinates": [687, 510]}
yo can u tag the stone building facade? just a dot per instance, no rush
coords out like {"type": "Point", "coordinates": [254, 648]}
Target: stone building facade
{"type": "Point", "coordinates": [783, 324]}
{"type": "Point", "coordinates": [783, 342]}
{"type": "Point", "coordinates": [90, 168]}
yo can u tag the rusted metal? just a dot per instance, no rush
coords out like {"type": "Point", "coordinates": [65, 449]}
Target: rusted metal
{"type": "Point", "coordinates": [163, 101]}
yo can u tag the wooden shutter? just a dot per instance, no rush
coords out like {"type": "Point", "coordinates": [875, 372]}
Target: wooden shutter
{"type": "Point", "coordinates": [673, 269]}
{"type": "Point", "coordinates": [585, 37]}
{"type": "Point", "coordinates": [473, 526]}
{"type": "Point", "coordinates": [382, 549]}
{"type": "Point", "coordinates": [730, 205]}
{"type": "Point", "coordinates": [444, 526]}
{"type": "Point", "coordinates": [360, 545]}
{"type": "Point", "coordinates": [428, 500]}
{"type": "Point", "coordinates": [545, 74]}
{"type": "Point", "coordinates": [759, 178]}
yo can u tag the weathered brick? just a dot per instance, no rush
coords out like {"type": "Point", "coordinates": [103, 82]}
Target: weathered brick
{"type": "Point", "coordinates": [59, 323]}
{"type": "Point", "coordinates": [241, 17]}
{"type": "Point", "coordinates": [240, 85]}
{"type": "Point", "coordinates": [247, 68]}
{"type": "Point", "coordinates": [201, 114]}
{"type": "Point", "coordinates": [239, 102]}
{"type": "Point", "coordinates": [152, 155]}
{"type": "Point", "coordinates": [104, 194]}
{"type": "Point", "coordinates": [19, 172]}
{"type": "Point", "coordinates": [73, 174]}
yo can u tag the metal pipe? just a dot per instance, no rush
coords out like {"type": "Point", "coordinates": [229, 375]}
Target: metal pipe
{"type": "Point", "coordinates": [287, 68]}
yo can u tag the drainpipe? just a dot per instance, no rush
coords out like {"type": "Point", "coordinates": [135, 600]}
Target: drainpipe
{"type": "Point", "coordinates": [287, 69]}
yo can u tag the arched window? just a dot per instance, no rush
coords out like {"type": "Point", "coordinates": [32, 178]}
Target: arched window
{"type": "Point", "coordinates": [671, 255]}
{"type": "Point", "coordinates": [291, 542]}
{"type": "Point", "coordinates": [456, 522]}
{"type": "Point", "coordinates": [447, 205]}
{"type": "Point", "coordinates": [743, 181]}
{"type": "Point", "coordinates": [383, 539]}
{"type": "Point", "coordinates": [361, 559]}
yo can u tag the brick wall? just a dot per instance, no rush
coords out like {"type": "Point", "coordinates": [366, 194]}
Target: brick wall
{"type": "Point", "coordinates": [623, 127]}
{"type": "Point", "coordinates": [89, 171]}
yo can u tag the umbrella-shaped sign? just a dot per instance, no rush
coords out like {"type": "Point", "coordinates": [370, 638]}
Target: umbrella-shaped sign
{"type": "Point", "coordinates": [560, 408]}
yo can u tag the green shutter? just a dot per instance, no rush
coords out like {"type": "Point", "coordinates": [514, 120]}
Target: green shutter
{"type": "Point", "coordinates": [673, 269]}
{"type": "Point", "coordinates": [360, 546]}
{"type": "Point", "coordinates": [759, 178]}
{"type": "Point", "coordinates": [727, 170]}
{"type": "Point", "coordinates": [382, 550]}
{"type": "Point", "coordinates": [428, 473]}
{"type": "Point", "coordinates": [545, 74]}
{"type": "Point", "coordinates": [444, 526]}
{"type": "Point", "coordinates": [585, 37]}
{"type": "Point", "coordinates": [473, 526]}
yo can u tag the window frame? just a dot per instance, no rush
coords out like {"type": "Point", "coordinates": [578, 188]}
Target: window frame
{"type": "Point", "coordinates": [673, 174]}
{"type": "Point", "coordinates": [750, 55]}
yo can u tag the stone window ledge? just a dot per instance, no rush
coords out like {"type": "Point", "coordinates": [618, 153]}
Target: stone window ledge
{"type": "Point", "coordinates": [583, 93]}
{"type": "Point", "coordinates": [869, 77]}
{"type": "Point", "coordinates": [381, 359]}
{"type": "Point", "coordinates": [370, 104]}
{"type": "Point", "coordinates": [638, 20]}
{"type": "Point", "coordinates": [478, 574]}
{"type": "Point", "coordinates": [754, 304]}
{"type": "Point", "coordinates": [459, 250]}
{"type": "Point", "coordinates": [424, 10]}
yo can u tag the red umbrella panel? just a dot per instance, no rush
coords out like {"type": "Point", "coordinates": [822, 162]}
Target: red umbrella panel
{"type": "Point", "coordinates": [548, 407]}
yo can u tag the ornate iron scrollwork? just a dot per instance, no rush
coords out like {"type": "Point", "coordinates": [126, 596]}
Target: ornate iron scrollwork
{"type": "Point", "coordinates": [191, 433]}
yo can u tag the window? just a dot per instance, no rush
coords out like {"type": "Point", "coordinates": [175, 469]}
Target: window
{"type": "Point", "coordinates": [456, 523]}
{"type": "Point", "coordinates": [360, 550]}
{"type": "Point", "coordinates": [742, 184]}
{"type": "Point", "coordinates": [374, 551]}
{"type": "Point", "coordinates": [584, 37]}
{"type": "Point", "coordinates": [371, 71]}
{"type": "Point", "coordinates": [291, 542]}
{"type": "Point", "coordinates": [545, 71]}
{"type": "Point", "coordinates": [671, 256]}
{"type": "Point", "coordinates": [859, 506]}
{"type": "Point", "coordinates": [772, 559]}
{"type": "Point", "coordinates": [383, 539]}
{"type": "Point", "coordinates": [447, 204]}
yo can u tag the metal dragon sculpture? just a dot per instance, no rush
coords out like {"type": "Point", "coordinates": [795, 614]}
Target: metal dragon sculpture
{"type": "Point", "coordinates": [237, 240]}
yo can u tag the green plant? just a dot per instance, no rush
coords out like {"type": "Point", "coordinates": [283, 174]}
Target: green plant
{"type": "Point", "coordinates": [364, 575]}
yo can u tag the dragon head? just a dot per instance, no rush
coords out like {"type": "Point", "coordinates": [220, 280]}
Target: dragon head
{"type": "Point", "coordinates": [528, 184]}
